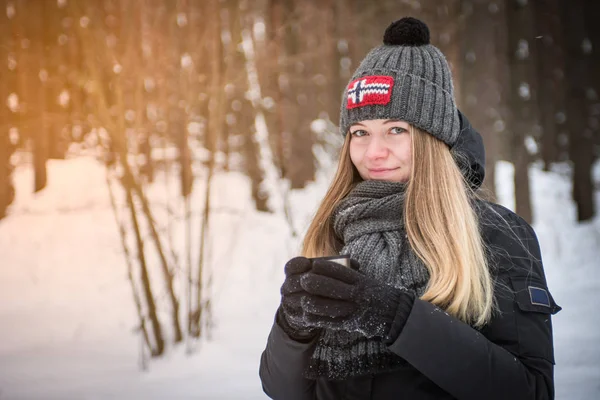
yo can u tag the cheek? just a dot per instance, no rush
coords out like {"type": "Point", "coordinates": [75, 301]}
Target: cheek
{"type": "Point", "coordinates": [408, 154]}
{"type": "Point", "coordinates": [405, 151]}
{"type": "Point", "coordinates": [401, 150]}
{"type": "Point", "coordinates": [355, 154]}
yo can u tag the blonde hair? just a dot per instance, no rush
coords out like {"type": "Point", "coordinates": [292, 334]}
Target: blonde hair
{"type": "Point", "coordinates": [320, 239]}
{"type": "Point", "coordinates": [442, 228]}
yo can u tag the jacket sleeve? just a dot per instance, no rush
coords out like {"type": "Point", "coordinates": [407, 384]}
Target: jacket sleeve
{"type": "Point", "coordinates": [282, 366]}
{"type": "Point", "coordinates": [512, 356]}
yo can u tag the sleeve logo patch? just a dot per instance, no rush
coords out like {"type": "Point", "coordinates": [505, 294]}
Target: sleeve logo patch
{"type": "Point", "coordinates": [369, 90]}
{"type": "Point", "coordinates": [539, 296]}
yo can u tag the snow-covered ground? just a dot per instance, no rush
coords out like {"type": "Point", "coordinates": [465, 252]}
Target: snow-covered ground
{"type": "Point", "coordinates": [67, 319]}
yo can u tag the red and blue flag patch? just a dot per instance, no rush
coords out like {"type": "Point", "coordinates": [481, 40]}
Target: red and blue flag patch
{"type": "Point", "coordinates": [369, 90]}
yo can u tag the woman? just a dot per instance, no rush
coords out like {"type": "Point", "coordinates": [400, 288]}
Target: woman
{"type": "Point", "coordinates": [445, 297]}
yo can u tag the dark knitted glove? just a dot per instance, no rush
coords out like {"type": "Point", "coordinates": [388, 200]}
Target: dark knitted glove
{"type": "Point", "coordinates": [290, 315]}
{"type": "Point", "coordinates": [341, 298]}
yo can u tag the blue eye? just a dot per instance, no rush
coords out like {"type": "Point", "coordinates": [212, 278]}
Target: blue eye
{"type": "Point", "coordinates": [359, 133]}
{"type": "Point", "coordinates": [397, 130]}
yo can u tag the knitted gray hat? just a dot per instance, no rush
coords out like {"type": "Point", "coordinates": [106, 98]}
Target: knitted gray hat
{"type": "Point", "coordinates": [406, 78]}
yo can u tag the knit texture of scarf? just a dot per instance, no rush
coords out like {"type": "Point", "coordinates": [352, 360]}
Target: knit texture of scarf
{"type": "Point", "coordinates": [370, 223]}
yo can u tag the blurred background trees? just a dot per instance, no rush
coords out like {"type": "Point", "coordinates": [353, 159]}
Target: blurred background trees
{"type": "Point", "coordinates": [190, 88]}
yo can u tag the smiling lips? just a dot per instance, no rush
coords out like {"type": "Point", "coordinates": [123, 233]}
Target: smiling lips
{"type": "Point", "coordinates": [380, 171]}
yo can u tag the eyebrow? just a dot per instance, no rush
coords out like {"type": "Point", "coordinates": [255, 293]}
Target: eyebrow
{"type": "Point", "coordinates": [387, 121]}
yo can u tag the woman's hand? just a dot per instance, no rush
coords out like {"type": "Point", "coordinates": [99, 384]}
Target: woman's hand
{"type": "Point", "coordinates": [290, 315]}
{"type": "Point", "coordinates": [340, 298]}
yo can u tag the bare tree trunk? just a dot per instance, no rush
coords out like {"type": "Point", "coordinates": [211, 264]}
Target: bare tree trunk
{"type": "Point", "coordinates": [183, 82]}
{"type": "Point", "coordinates": [549, 65]}
{"type": "Point", "coordinates": [140, 100]}
{"type": "Point", "coordinates": [137, 189]}
{"type": "Point", "coordinates": [54, 51]}
{"type": "Point", "coordinates": [592, 10]}
{"type": "Point", "coordinates": [144, 276]}
{"type": "Point", "coordinates": [7, 118]}
{"type": "Point", "coordinates": [521, 53]}
{"type": "Point", "coordinates": [268, 55]}
{"type": "Point", "coordinates": [581, 148]}
{"type": "Point", "coordinates": [36, 97]}
{"type": "Point", "coordinates": [179, 14]}
{"type": "Point", "coordinates": [75, 63]}
{"type": "Point", "coordinates": [241, 112]}
{"type": "Point", "coordinates": [167, 272]}
{"type": "Point", "coordinates": [214, 124]}
{"type": "Point", "coordinates": [479, 84]}
{"type": "Point", "coordinates": [443, 20]}
{"type": "Point", "coordinates": [156, 329]}
{"type": "Point", "coordinates": [272, 174]}
{"type": "Point", "coordinates": [329, 40]}
{"type": "Point", "coordinates": [111, 112]}
{"type": "Point", "coordinates": [293, 84]}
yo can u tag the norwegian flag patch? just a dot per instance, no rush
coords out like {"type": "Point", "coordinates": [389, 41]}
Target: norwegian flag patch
{"type": "Point", "coordinates": [369, 90]}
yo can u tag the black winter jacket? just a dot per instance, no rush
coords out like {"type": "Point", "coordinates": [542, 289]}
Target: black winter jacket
{"type": "Point", "coordinates": [510, 358]}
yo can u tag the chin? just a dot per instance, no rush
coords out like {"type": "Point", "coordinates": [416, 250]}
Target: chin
{"type": "Point", "coordinates": [387, 179]}
{"type": "Point", "coordinates": [397, 175]}
{"type": "Point", "coordinates": [391, 180]}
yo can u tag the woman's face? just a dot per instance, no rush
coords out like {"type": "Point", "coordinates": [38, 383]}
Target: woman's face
{"type": "Point", "coordinates": [380, 149]}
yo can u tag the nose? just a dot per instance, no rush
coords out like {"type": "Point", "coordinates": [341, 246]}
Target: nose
{"type": "Point", "coordinates": [376, 149]}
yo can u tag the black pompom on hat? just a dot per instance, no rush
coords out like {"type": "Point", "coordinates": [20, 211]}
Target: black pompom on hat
{"type": "Point", "coordinates": [407, 31]}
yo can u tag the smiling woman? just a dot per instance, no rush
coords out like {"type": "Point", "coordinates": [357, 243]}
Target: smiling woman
{"type": "Point", "coordinates": [445, 296]}
{"type": "Point", "coordinates": [381, 149]}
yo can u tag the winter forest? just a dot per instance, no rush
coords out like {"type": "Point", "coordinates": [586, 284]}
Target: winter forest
{"type": "Point", "coordinates": [160, 161]}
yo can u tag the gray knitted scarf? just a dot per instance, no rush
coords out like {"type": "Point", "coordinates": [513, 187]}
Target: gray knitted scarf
{"type": "Point", "coordinates": [370, 223]}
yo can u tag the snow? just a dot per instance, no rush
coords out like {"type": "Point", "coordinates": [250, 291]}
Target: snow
{"type": "Point", "coordinates": [69, 323]}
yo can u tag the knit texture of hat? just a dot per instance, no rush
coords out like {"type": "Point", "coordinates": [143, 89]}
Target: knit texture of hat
{"type": "Point", "coordinates": [406, 78]}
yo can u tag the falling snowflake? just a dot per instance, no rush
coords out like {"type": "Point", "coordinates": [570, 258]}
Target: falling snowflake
{"type": "Point", "coordinates": [111, 41]}
{"type": "Point", "coordinates": [531, 145]}
{"type": "Point", "coordinates": [499, 126]}
{"type": "Point", "coordinates": [181, 20]}
{"type": "Point", "coordinates": [43, 75]}
{"type": "Point", "coordinates": [470, 56]}
{"type": "Point", "coordinates": [194, 128]}
{"type": "Point", "coordinates": [10, 10]}
{"type": "Point", "coordinates": [586, 46]}
{"type": "Point", "coordinates": [591, 94]}
{"type": "Point", "coordinates": [63, 98]}
{"type": "Point", "coordinates": [84, 21]}
{"type": "Point", "coordinates": [149, 84]}
{"type": "Point", "coordinates": [345, 63]}
{"type": "Point", "coordinates": [259, 31]}
{"type": "Point", "coordinates": [13, 135]}
{"type": "Point", "coordinates": [12, 62]}
{"type": "Point", "coordinates": [236, 105]}
{"type": "Point", "coordinates": [524, 91]}
{"type": "Point", "coordinates": [522, 49]}
{"type": "Point", "coordinates": [130, 115]}
{"type": "Point", "coordinates": [230, 119]}
{"type": "Point", "coordinates": [186, 61]}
